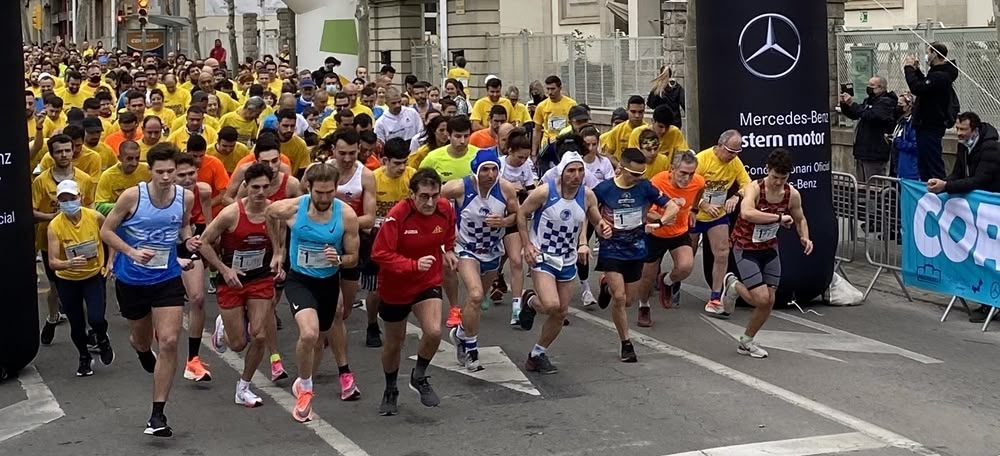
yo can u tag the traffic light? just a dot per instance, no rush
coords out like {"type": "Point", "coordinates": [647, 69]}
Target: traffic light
{"type": "Point", "coordinates": [143, 6]}
{"type": "Point", "coordinates": [36, 17]}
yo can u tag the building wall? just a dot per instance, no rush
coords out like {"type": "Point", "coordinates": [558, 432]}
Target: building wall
{"type": "Point", "coordinates": [517, 15]}
{"type": "Point", "coordinates": [953, 13]}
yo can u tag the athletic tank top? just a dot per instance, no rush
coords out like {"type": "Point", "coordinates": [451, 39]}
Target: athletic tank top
{"type": "Point", "coordinates": [352, 192]}
{"type": "Point", "coordinates": [156, 229]}
{"type": "Point", "coordinates": [473, 234]}
{"type": "Point", "coordinates": [555, 229]}
{"type": "Point", "coordinates": [751, 236]}
{"type": "Point", "coordinates": [197, 217]}
{"type": "Point", "coordinates": [247, 249]}
{"type": "Point", "coordinates": [310, 238]}
{"type": "Point", "coordinates": [521, 175]}
{"type": "Point", "coordinates": [281, 193]}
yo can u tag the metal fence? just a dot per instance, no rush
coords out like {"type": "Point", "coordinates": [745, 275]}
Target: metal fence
{"type": "Point", "coordinates": [845, 208]}
{"type": "Point", "coordinates": [976, 52]}
{"type": "Point", "coordinates": [425, 61]}
{"type": "Point", "coordinates": [599, 72]}
{"type": "Point", "coordinates": [882, 229]}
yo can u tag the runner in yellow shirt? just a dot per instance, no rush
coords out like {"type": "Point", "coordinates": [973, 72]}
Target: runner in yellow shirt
{"type": "Point", "coordinates": [71, 95]}
{"type": "Point", "coordinates": [722, 169]}
{"type": "Point", "coordinates": [291, 145]}
{"type": "Point", "coordinates": [655, 161]}
{"type": "Point", "coordinates": [157, 109]}
{"type": "Point", "coordinates": [460, 74]}
{"type": "Point", "coordinates": [481, 110]}
{"type": "Point", "coordinates": [245, 121]}
{"type": "Point", "coordinates": [175, 98]}
{"type": "Point", "coordinates": [93, 131]}
{"type": "Point", "coordinates": [228, 149]}
{"type": "Point", "coordinates": [126, 174]}
{"type": "Point", "coordinates": [552, 114]}
{"type": "Point", "coordinates": [194, 125]}
{"type": "Point", "coordinates": [519, 116]}
{"type": "Point", "coordinates": [671, 138]}
{"type": "Point", "coordinates": [152, 134]}
{"type": "Point", "coordinates": [616, 140]}
{"type": "Point", "coordinates": [86, 160]}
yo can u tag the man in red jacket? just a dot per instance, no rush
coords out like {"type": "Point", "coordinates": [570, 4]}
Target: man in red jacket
{"type": "Point", "coordinates": [410, 250]}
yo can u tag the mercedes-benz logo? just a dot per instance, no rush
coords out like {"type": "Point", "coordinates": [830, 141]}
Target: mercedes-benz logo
{"type": "Point", "coordinates": [780, 51]}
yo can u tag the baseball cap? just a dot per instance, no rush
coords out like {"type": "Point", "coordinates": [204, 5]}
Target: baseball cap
{"type": "Point", "coordinates": [579, 113]}
{"type": "Point", "coordinates": [307, 83]}
{"type": "Point", "coordinates": [68, 186]}
{"type": "Point", "coordinates": [490, 78]}
{"type": "Point", "coordinates": [92, 125]}
{"type": "Point", "coordinates": [619, 114]}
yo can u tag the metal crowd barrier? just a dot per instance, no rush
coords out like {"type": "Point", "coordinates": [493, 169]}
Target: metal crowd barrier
{"type": "Point", "coordinates": [845, 208]}
{"type": "Point", "coordinates": [881, 227]}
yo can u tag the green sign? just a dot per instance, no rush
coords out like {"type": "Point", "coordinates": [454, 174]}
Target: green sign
{"type": "Point", "coordinates": [863, 67]}
{"type": "Point", "coordinates": [864, 17]}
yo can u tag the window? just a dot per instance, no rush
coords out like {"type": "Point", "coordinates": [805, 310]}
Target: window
{"type": "Point", "coordinates": [431, 18]}
{"type": "Point", "coordinates": [99, 18]}
{"type": "Point", "coordinates": [572, 12]}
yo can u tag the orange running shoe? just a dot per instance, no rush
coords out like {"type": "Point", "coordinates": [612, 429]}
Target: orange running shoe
{"type": "Point", "coordinates": [454, 317]}
{"type": "Point", "coordinates": [303, 407]}
{"type": "Point", "coordinates": [195, 370]}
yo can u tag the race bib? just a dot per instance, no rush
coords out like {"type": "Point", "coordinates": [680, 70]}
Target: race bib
{"type": "Point", "coordinates": [715, 197]}
{"type": "Point", "coordinates": [764, 233]}
{"type": "Point", "coordinates": [627, 218]}
{"type": "Point", "coordinates": [87, 249]}
{"type": "Point", "coordinates": [556, 123]}
{"type": "Point", "coordinates": [248, 260]}
{"type": "Point", "coordinates": [378, 221]}
{"type": "Point", "coordinates": [161, 256]}
{"type": "Point", "coordinates": [311, 258]}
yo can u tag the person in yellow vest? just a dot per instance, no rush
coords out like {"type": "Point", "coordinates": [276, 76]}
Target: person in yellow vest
{"type": "Point", "coordinates": [45, 206]}
{"type": "Point", "coordinates": [152, 134]}
{"type": "Point", "coordinates": [126, 174]}
{"type": "Point", "coordinates": [194, 125]}
{"type": "Point", "coordinates": [616, 140]}
{"type": "Point", "coordinates": [481, 110]}
{"type": "Point", "coordinates": [671, 137]}
{"type": "Point", "coordinates": [76, 255]}
{"type": "Point", "coordinates": [71, 95]}
{"type": "Point", "coordinates": [86, 160]}
{"type": "Point", "coordinates": [228, 149]}
{"type": "Point", "coordinates": [245, 121]}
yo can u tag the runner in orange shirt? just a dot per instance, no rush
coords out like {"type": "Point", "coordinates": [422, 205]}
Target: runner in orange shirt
{"type": "Point", "coordinates": [487, 137]}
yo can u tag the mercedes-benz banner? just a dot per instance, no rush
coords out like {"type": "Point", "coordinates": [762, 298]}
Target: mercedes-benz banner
{"type": "Point", "coordinates": [19, 302]}
{"type": "Point", "coordinates": [763, 70]}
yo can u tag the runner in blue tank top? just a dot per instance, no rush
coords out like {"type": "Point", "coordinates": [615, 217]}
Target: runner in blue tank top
{"type": "Point", "coordinates": [485, 206]}
{"type": "Point", "coordinates": [324, 239]}
{"type": "Point", "coordinates": [551, 245]}
{"type": "Point", "coordinates": [144, 228]}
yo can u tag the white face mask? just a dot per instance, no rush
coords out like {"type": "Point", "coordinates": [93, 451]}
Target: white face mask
{"type": "Point", "coordinates": [971, 141]}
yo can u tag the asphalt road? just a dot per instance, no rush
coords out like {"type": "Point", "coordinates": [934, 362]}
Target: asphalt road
{"type": "Point", "coordinates": [885, 378]}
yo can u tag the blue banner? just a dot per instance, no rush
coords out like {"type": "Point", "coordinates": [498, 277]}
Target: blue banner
{"type": "Point", "coordinates": [951, 243]}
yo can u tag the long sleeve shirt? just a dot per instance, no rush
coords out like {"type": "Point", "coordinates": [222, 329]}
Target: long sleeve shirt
{"type": "Point", "coordinates": [406, 235]}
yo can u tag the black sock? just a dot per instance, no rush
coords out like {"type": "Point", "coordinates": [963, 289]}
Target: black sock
{"type": "Point", "coordinates": [345, 369]}
{"type": "Point", "coordinates": [421, 369]}
{"type": "Point", "coordinates": [373, 326]}
{"type": "Point", "coordinates": [390, 379]}
{"type": "Point", "coordinates": [158, 408]}
{"type": "Point", "coordinates": [626, 342]}
{"type": "Point", "coordinates": [148, 360]}
{"type": "Point", "coordinates": [194, 344]}
{"type": "Point", "coordinates": [675, 287]}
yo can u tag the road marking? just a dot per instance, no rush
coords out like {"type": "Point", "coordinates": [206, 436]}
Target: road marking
{"type": "Point", "coordinates": [40, 408]}
{"type": "Point", "coordinates": [807, 343]}
{"type": "Point", "coordinates": [826, 444]}
{"type": "Point", "coordinates": [864, 427]}
{"type": "Point", "coordinates": [324, 430]}
{"type": "Point", "coordinates": [499, 368]}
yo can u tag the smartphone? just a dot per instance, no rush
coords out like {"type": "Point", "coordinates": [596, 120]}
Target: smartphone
{"type": "Point", "coordinates": [848, 88]}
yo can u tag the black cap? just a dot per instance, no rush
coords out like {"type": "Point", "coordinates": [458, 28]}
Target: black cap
{"type": "Point", "coordinates": [579, 113]}
{"type": "Point", "coordinates": [92, 125]}
{"type": "Point", "coordinates": [619, 114]}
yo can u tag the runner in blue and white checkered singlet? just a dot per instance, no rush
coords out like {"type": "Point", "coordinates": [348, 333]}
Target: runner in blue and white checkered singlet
{"type": "Point", "coordinates": [555, 232]}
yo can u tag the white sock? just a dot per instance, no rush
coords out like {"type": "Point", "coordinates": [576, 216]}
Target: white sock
{"type": "Point", "coordinates": [460, 332]}
{"type": "Point", "coordinates": [515, 304]}
{"type": "Point", "coordinates": [243, 385]}
{"type": "Point", "coordinates": [643, 304]}
{"type": "Point", "coordinates": [306, 383]}
{"type": "Point", "coordinates": [584, 286]}
{"type": "Point", "coordinates": [538, 350]}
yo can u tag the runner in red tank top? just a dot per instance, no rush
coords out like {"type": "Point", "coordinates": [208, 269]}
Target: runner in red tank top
{"type": "Point", "coordinates": [768, 204]}
{"type": "Point", "coordinates": [247, 282]}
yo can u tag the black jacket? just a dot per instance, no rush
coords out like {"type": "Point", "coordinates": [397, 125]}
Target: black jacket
{"type": "Point", "coordinates": [673, 97]}
{"type": "Point", "coordinates": [978, 169]}
{"type": "Point", "coordinates": [933, 92]}
{"type": "Point", "coordinates": [875, 120]}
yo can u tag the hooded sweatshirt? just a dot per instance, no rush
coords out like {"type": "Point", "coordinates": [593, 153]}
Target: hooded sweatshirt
{"type": "Point", "coordinates": [933, 92]}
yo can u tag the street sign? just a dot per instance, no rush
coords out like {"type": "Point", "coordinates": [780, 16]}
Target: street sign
{"type": "Point", "coordinates": [155, 42]}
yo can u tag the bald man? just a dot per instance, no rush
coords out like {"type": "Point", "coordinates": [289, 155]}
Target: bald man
{"type": "Point", "coordinates": [286, 101]}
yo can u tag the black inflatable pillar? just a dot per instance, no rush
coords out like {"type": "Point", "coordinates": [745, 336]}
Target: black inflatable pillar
{"type": "Point", "coordinates": [18, 289]}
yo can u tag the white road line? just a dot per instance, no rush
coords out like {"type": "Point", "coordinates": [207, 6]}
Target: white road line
{"type": "Point", "coordinates": [40, 408]}
{"type": "Point", "coordinates": [795, 399]}
{"type": "Point", "coordinates": [809, 446]}
{"type": "Point", "coordinates": [324, 430]}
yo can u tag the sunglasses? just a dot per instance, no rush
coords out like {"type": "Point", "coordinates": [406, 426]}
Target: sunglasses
{"type": "Point", "coordinates": [634, 172]}
{"type": "Point", "coordinates": [733, 151]}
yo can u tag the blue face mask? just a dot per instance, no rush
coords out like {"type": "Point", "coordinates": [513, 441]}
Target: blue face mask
{"type": "Point", "coordinates": [332, 89]}
{"type": "Point", "coordinates": [70, 207]}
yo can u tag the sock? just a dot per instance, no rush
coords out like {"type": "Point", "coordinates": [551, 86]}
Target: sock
{"type": "Point", "coordinates": [194, 344]}
{"type": "Point", "coordinates": [584, 286]}
{"type": "Point", "coordinates": [275, 358]}
{"type": "Point", "coordinates": [390, 379]}
{"type": "Point", "coordinates": [373, 326]}
{"type": "Point", "coordinates": [537, 351]}
{"type": "Point", "coordinates": [716, 295]}
{"type": "Point", "coordinates": [471, 343]}
{"type": "Point", "coordinates": [744, 339]}
{"type": "Point", "coordinates": [515, 304]}
{"type": "Point", "coordinates": [421, 369]}
{"type": "Point", "coordinates": [626, 342]}
{"type": "Point", "coordinates": [643, 304]}
{"type": "Point", "coordinates": [243, 385]}
{"type": "Point", "coordinates": [148, 360]}
{"type": "Point", "coordinates": [531, 301]}
{"type": "Point", "coordinates": [345, 369]}
{"type": "Point", "coordinates": [676, 287]}
{"type": "Point", "coordinates": [306, 384]}
{"type": "Point", "coordinates": [460, 332]}
{"type": "Point", "coordinates": [158, 407]}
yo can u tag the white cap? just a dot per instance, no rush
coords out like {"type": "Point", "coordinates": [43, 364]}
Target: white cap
{"type": "Point", "coordinates": [68, 186]}
{"type": "Point", "coordinates": [44, 75]}
{"type": "Point", "coordinates": [492, 76]}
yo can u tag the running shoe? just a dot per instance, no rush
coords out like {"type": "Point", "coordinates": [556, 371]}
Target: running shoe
{"type": "Point", "coordinates": [296, 387]}
{"type": "Point", "coordinates": [86, 368]}
{"type": "Point", "coordinates": [373, 337]}
{"type": "Point", "coordinates": [752, 349]}
{"type": "Point", "coordinates": [389, 406]}
{"type": "Point", "coordinates": [92, 341]}
{"type": "Point", "coordinates": [106, 353]}
{"type": "Point", "coordinates": [501, 284]}
{"type": "Point", "coordinates": [514, 317]}
{"type": "Point", "coordinates": [526, 318]}
{"type": "Point", "coordinates": [148, 363]}
{"type": "Point", "coordinates": [195, 370]}
{"type": "Point", "coordinates": [62, 319]}
{"type": "Point", "coordinates": [454, 317]}
{"type": "Point", "coordinates": [48, 332]}
{"type": "Point", "coordinates": [714, 309]}
{"type": "Point", "coordinates": [303, 407]}
{"type": "Point", "coordinates": [472, 361]}
{"type": "Point", "coordinates": [628, 353]}
{"type": "Point", "coordinates": [459, 346]}
{"type": "Point", "coordinates": [247, 398]}
{"type": "Point", "coordinates": [219, 336]}
{"type": "Point", "coordinates": [211, 287]}
{"type": "Point", "coordinates": [540, 364]}
{"type": "Point", "coordinates": [729, 293]}
{"type": "Point", "coordinates": [604, 297]}
{"type": "Point", "coordinates": [666, 294]}
{"type": "Point", "coordinates": [588, 298]}
{"type": "Point", "coordinates": [423, 389]}
{"type": "Point", "coordinates": [485, 303]}
{"type": "Point", "coordinates": [157, 426]}
{"type": "Point", "coordinates": [349, 391]}
{"type": "Point", "coordinates": [675, 294]}
{"type": "Point", "coordinates": [496, 294]}
{"type": "Point", "coordinates": [278, 371]}
{"type": "Point", "coordinates": [645, 318]}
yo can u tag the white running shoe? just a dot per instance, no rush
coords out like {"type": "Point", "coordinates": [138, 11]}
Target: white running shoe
{"type": "Point", "coordinates": [729, 293]}
{"type": "Point", "coordinates": [219, 336]}
{"type": "Point", "coordinates": [247, 398]}
{"type": "Point", "coordinates": [751, 348]}
{"type": "Point", "coordinates": [459, 346]}
{"type": "Point", "coordinates": [588, 298]}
